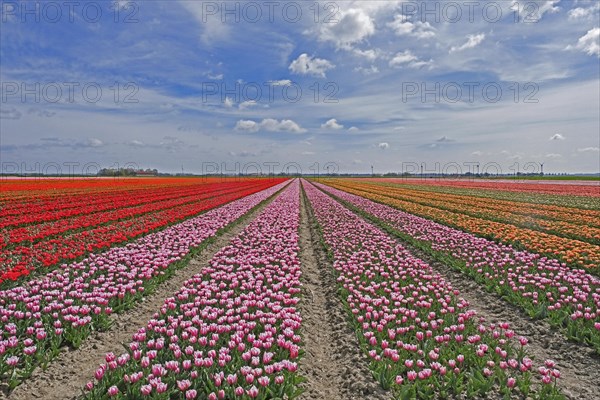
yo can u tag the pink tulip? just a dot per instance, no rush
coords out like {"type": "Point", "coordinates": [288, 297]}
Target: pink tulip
{"type": "Point", "coordinates": [113, 391]}
{"type": "Point", "coordinates": [99, 373]}
{"type": "Point", "coordinates": [146, 390]}
{"type": "Point", "coordinates": [184, 385]}
{"type": "Point", "coordinates": [253, 392]}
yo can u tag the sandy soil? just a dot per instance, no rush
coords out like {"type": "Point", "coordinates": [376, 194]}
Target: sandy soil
{"type": "Point", "coordinates": [68, 373]}
{"type": "Point", "coordinates": [334, 365]}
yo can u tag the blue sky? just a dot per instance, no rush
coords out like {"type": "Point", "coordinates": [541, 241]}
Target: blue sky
{"type": "Point", "coordinates": [354, 83]}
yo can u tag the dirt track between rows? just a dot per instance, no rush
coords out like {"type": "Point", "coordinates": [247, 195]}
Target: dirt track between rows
{"type": "Point", "coordinates": [334, 365]}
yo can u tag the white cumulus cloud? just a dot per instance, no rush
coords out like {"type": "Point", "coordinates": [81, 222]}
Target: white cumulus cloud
{"type": "Point", "coordinates": [408, 59]}
{"type": "Point", "coordinates": [332, 124]}
{"type": "Point", "coordinates": [247, 125]}
{"type": "Point", "coordinates": [352, 26]}
{"type": "Point", "coordinates": [269, 125]}
{"type": "Point", "coordinates": [589, 43]}
{"type": "Point", "coordinates": [403, 26]}
{"type": "Point", "coordinates": [310, 65]}
{"type": "Point", "coordinates": [584, 12]}
{"type": "Point", "coordinates": [369, 54]}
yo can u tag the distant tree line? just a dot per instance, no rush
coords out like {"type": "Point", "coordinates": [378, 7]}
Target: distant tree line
{"type": "Point", "coordinates": [127, 172]}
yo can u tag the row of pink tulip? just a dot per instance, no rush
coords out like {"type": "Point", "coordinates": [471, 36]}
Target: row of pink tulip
{"type": "Point", "coordinates": [543, 287]}
{"type": "Point", "coordinates": [421, 336]}
{"type": "Point", "coordinates": [231, 331]}
{"type": "Point", "coordinates": [64, 306]}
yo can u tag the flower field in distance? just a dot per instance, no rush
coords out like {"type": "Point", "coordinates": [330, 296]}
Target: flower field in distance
{"type": "Point", "coordinates": [565, 231]}
{"type": "Point", "coordinates": [78, 257]}
{"type": "Point", "coordinates": [47, 227]}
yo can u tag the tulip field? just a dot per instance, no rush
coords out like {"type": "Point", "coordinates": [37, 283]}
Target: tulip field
{"type": "Point", "coordinates": [44, 230]}
{"type": "Point", "coordinates": [565, 231]}
{"type": "Point", "coordinates": [447, 289]}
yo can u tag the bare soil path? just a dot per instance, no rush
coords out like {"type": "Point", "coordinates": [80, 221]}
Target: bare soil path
{"type": "Point", "coordinates": [333, 363]}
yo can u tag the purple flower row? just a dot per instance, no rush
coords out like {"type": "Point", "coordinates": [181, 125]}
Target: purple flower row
{"type": "Point", "coordinates": [66, 304]}
{"type": "Point", "coordinates": [422, 339]}
{"type": "Point", "coordinates": [231, 331]}
{"type": "Point", "coordinates": [542, 286]}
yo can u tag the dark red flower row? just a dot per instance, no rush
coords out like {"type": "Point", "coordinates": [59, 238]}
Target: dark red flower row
{"type": "Point", "coordinates": [38, 208]}
{"type": "Point", "coordinates": [21, 260]}
{"type": "Point", "coordinates": [9, 237]}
